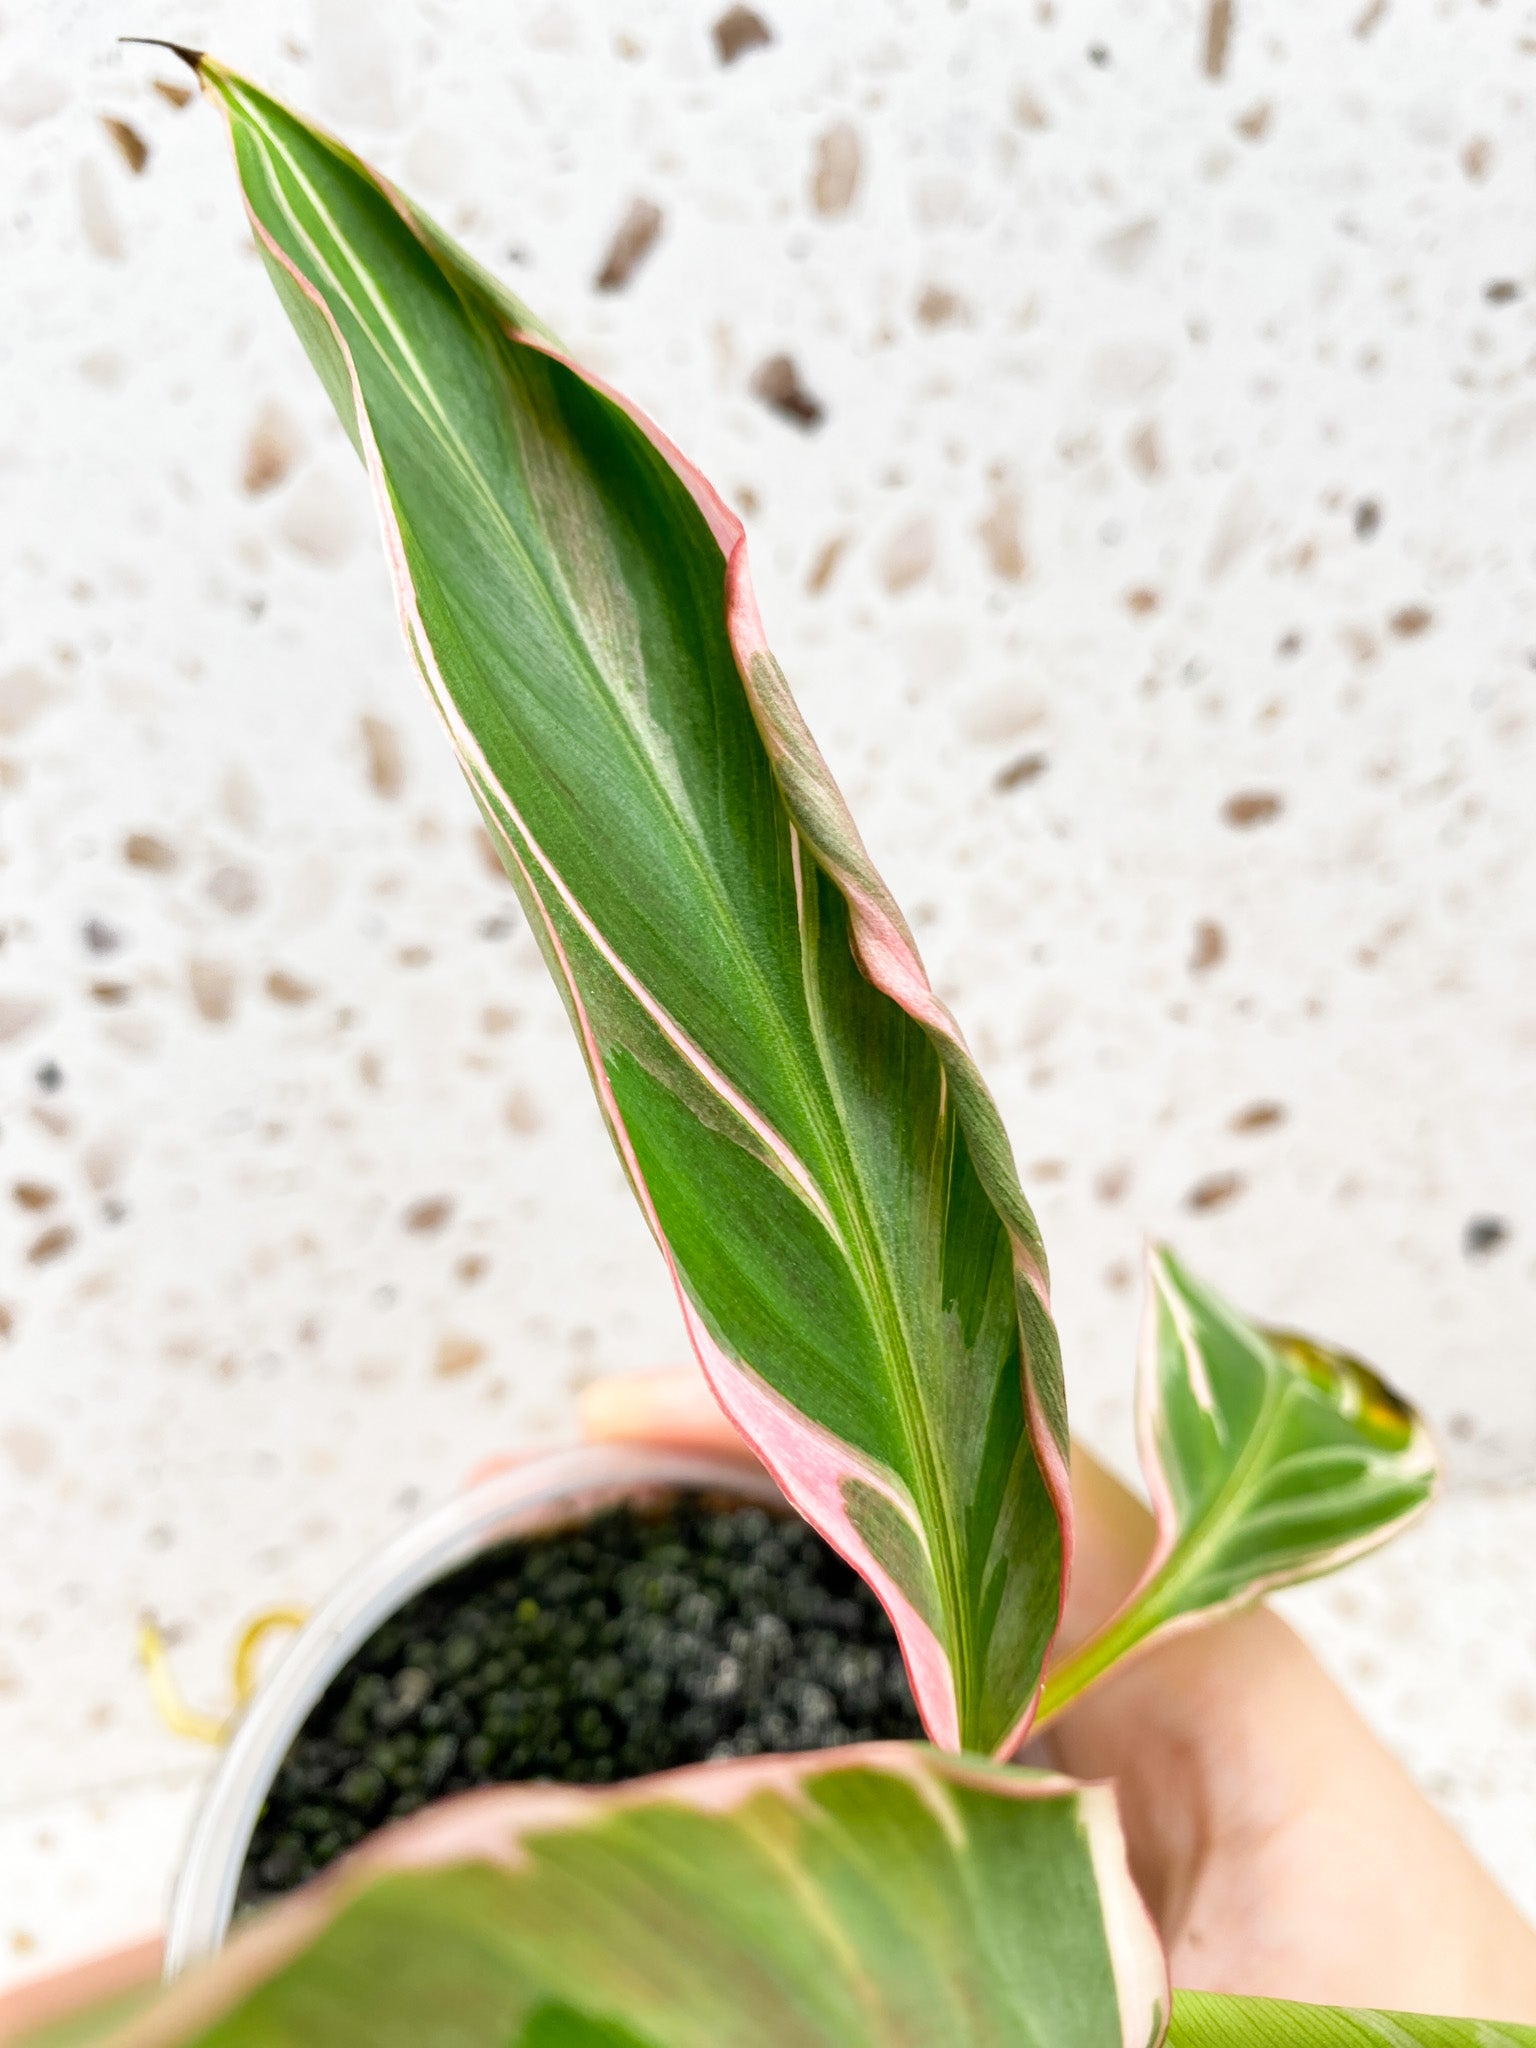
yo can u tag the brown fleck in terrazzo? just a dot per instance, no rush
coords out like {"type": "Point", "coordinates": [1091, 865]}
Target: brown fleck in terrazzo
{"type": "Point", "coordinates": [271, 450]}
{"type": "Point", "coordinates": [127, 141]}
{"type": "Point", "coordinates": [836, 169]}
{"type": "Point", "coordinates": [234, 888]}
{"type": "Point", "coordinates": [213, 986]}
{"type": "Point", "coordinates": [1209, 948]}
{"type": "Point", "coordinates": [1215, 1191]}
{"type": "Point", "coordinates": [148, 851]}
{"type": "Point", "coordinates": [1410, 620]}
{"type": "Point", "coordinates": [1027, 768]}
{"type": "Point", "coordinates": [52, 1244]}
{"type": "Point", "coordinates": [1259, 1116]}
{"type": "Point", "coordinates": [1250, 807]}
{"type": "Point", "coordinates": [777, 382]}
{"type": "Point", "coordinates": [457, 1356]}
{"type": "Point", "coordinates": [1001, 532]}
{"type": "Point", "coordinates": [938, 306]}
{"type": "Point", "coordinates": [908, 555]}
{"type": "Point", "coordinates": [633, 240]}
{"type": "Point", "coordinates": [739, 30]}
{"type": "Point", "coordinates": [429, 1214]}
{"type": "Point", "coordinates": [382, 755]}
{"type": "Point", "coordinates": [824, 565]}
{"type": "Point", "coordinates": [1218, 37]}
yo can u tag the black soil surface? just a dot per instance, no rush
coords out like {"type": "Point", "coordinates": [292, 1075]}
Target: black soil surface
{"type": "Point", "coordinates": [642, 1640]}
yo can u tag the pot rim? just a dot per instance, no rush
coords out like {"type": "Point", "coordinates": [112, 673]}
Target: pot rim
{"type": "Point", "coordinates": [545, 1492]}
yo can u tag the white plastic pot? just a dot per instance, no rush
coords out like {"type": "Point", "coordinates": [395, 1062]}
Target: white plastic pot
{"type": "Point", "coordinates": [557, 1491]}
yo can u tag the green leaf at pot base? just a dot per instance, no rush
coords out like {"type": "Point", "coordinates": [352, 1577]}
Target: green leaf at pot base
{"type": "Point", "coordinates": [1202, 2020]}
{"type": "Point", "coordinates": [1269, 1460]}
{"type": "Point", "coordinates": [797, 1113]}
{"type": "Point", "coordinates": [884, 1897]}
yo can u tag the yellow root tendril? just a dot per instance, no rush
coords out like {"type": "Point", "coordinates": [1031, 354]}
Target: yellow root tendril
{"type": "Point", "coordinates": [173, 1709]}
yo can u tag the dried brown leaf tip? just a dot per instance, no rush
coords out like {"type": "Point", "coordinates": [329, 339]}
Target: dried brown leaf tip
{"type": "Point", "coordinates": [835, 173]}
{"type": "Point", "coordinates": [633, 241]}
{"type": "Point", "coordinates": [1215, 1191]}
{"type": "Point", "coordinates": [1250, 807]}
{"type": "Point", "coordinates": [1218, 37]}
{"type": "Point", "coordinates": [777, 383]}
{"type": "Point", "coordinates": [127, 141]}
{"type": "Point", "coordinates": [1027, 768]}
{"type": "Point", "coordinates": [1209, 948]}
{"type": "Point", "coordinates": [739, 30]}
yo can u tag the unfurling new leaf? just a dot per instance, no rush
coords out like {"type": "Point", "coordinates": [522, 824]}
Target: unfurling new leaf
{"type": "Point", "coordinates": [801, 1122]}
{"type": "Point", "coordinates": [1269, 1460]}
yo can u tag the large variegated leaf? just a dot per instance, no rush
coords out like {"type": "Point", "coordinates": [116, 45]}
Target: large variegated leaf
{"type": "Point", "coordinates": [802, 1124]}
{"type": "Point", "coordinates": [1269, 1460]}
{"type": "Point", "coordinates": [885, 1897]}
{"type": "Point", "coordinates": [1201, 2020]}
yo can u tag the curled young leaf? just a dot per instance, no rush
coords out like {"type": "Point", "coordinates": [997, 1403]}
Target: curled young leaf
{"type": "Point", "coordinates": [1202, 2020]}
{"type": "Point", "coordinates": [853, 1899]}
{"type": "Point", "coordinates": [1269, 1458]}
{"type": "Point", "coordinates": [810, 1141]}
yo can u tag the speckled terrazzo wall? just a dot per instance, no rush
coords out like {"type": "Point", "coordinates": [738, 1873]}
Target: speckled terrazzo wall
{"type": "Point", "coordinates": [1132, 406]}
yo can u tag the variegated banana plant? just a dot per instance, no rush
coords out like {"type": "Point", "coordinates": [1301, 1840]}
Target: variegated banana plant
{"type": "Point", "coordinates": [829, 1182]}
{"type": "Point", "coordinates": [803, 1126]}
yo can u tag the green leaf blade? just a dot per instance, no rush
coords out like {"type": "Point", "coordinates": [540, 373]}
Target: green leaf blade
{"type": "Point", "coordinates": [1205, 2020]}
{"type": "Point", "coordinates": [880, 1897]}
{"type": "Point", "coordinates": [812, 1145]}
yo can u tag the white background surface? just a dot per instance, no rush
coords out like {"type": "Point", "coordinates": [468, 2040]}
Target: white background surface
{"type": "Point", "coordinates": [1112, 354]}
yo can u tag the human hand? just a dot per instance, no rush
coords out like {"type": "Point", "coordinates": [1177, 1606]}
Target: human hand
{"type": "Point", "coordinates": [1281, 1849]}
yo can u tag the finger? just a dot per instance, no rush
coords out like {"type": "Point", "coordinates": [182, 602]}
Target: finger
{"type": "Point", "coordinates": [674, 1407]}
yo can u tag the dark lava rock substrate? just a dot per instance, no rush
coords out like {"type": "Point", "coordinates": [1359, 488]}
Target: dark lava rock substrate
{"type": "Point", "coordinates": [644, 1639]}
